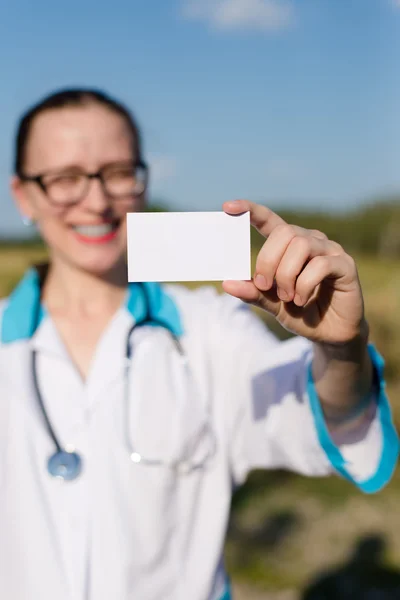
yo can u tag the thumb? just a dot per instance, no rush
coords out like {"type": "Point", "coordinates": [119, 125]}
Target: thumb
{"type": "Point", "coordinates": [249, 293]}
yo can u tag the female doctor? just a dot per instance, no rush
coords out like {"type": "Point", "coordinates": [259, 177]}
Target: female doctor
{"type": "Point", "coordinates": [130, 412]}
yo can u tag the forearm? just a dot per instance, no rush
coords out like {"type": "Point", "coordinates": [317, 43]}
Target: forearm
{"type": "Point", "coordinates": [343, 377]}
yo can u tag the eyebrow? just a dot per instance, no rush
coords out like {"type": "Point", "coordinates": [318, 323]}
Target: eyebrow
{"type": "Point", "coordinates": [80, 169]}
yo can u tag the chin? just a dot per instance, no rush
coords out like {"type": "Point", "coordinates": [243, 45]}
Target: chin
{"type": "Point", "coordinates": [97, 263]}
{"type": "Point", "coordinates": [102, 267]}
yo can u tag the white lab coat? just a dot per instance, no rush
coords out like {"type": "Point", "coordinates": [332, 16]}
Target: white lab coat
{"type": "Point", "coordinates": [124, 531]}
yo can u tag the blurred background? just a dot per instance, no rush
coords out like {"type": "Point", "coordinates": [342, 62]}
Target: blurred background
{"type": "Point", "coordinates": [293, 104]}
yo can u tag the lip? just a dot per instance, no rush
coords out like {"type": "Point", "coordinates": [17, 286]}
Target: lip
{"type": "Point", "coordinates": [102, 239]}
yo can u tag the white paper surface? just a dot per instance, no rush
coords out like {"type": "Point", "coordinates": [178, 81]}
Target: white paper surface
{"type": "Point", "coordinates": [188, 246]}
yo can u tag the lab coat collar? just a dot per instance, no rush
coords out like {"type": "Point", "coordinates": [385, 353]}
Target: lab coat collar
{"type": "Point", "coordinates": [24, 313]}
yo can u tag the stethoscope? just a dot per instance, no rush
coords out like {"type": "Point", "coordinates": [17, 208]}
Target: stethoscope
{"type": "Point", "coordinates": [67, 464]}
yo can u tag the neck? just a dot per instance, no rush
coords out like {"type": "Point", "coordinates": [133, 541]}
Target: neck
{"type": "Point", "coordinates": [73, 290]}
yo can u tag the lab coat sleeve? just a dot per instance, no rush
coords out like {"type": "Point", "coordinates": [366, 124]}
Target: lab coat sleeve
{"type": "Point", "coordinates": [273, 413]}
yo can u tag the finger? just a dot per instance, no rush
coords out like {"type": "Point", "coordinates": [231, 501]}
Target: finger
{"type": "Point", "coordinates": [261, 217]}
{"type": "Point", "coordinates": [298, 253]}
{"type": "Point", "coordinates": [318, 234]}
{"type": "Point", "coordinates": [272, 252]}
{"type": "Point", "coordinates": [319, 269]}
{"type": "Point", "coordinates": [249, 293]}
{"type": "Point", "coordinates": [245, 290]}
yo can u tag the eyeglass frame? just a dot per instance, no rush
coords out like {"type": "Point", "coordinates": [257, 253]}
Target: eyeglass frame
{"type": "Point", "coordinates": [38, 179]}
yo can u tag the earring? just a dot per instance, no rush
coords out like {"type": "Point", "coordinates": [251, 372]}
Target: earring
{"type": "Point", "coordinates": [26, 221]}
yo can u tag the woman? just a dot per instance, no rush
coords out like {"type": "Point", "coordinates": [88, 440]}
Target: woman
{"type": "Point", "coordinates": [116, 475]}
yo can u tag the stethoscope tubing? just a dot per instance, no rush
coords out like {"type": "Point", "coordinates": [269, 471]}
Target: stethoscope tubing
{"type": "Point", "coordinates": [66, 464]}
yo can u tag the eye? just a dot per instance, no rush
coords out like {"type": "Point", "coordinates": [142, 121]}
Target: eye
{"type": "Point", "coordinates": [65, 180]}
{"type": "Point", "coordinates": [120, 173]}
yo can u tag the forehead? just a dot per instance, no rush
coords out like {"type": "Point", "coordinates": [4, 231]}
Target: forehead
{"type": "Point", "coordinates": [87, 136]}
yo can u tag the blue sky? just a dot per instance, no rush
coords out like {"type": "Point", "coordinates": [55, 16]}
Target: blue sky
{"type": "Point", "coordinates": [285, 102]}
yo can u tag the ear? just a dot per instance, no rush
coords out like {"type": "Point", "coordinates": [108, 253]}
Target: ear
{"type": "Point", "coordinates": [22, 198]}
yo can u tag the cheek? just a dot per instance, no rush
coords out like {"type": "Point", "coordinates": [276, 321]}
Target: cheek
{"type": "Point", "coordinates": [50, 216]}
{"type": "Point", "coordinates": [51, 222]}
{"type": "Point", "coordinates": [122, 209]}
{"type": "Point", "coordinates": [133, 205]}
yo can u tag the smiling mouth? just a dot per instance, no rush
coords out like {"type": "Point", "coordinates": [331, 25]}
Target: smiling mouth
{"type": "Point", "coordinates": [97, 231]}
{"type": "Point", "coordinates": [97, 234]}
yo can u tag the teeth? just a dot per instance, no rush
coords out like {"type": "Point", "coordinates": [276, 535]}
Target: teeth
{"type": "Point", "coordinates": [94, 230]}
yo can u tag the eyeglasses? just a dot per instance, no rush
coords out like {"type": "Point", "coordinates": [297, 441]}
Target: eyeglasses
{"type": "Point", "coordinates": [119, 181]}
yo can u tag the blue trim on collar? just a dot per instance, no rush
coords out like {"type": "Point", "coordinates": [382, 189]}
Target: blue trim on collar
{"type": "Point", "coordinates": [23, 314]}
{"type": "Point", "coordinates": [390, 451]}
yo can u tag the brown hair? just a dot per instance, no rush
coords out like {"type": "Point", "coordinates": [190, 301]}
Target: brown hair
{"type": "Point", "coordinates": [75, 98]}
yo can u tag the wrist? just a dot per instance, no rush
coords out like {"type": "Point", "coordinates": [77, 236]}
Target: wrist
{"type": "Point", "coordinates": [343, 376]}
{"type": "Point", "coordinates": [355, 349]}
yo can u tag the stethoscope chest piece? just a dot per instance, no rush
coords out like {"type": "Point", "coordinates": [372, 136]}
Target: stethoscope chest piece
{"type": "Point", "coordinates": [64, 465]}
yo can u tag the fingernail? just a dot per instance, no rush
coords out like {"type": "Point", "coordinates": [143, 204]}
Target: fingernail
{"type": "Point", "coordinates": [282, 294]}
{"type": "Point", "coordinates": [298, 300]}
{"type": "Point", "coordinates": [260, 282]}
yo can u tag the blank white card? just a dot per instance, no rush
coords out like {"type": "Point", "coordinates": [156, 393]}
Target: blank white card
{"type": "Point", "coordinates": [188, 246]}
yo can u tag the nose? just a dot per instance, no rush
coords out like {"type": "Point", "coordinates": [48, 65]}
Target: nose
{"type": "Point", "coordinates": [96, 199]}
